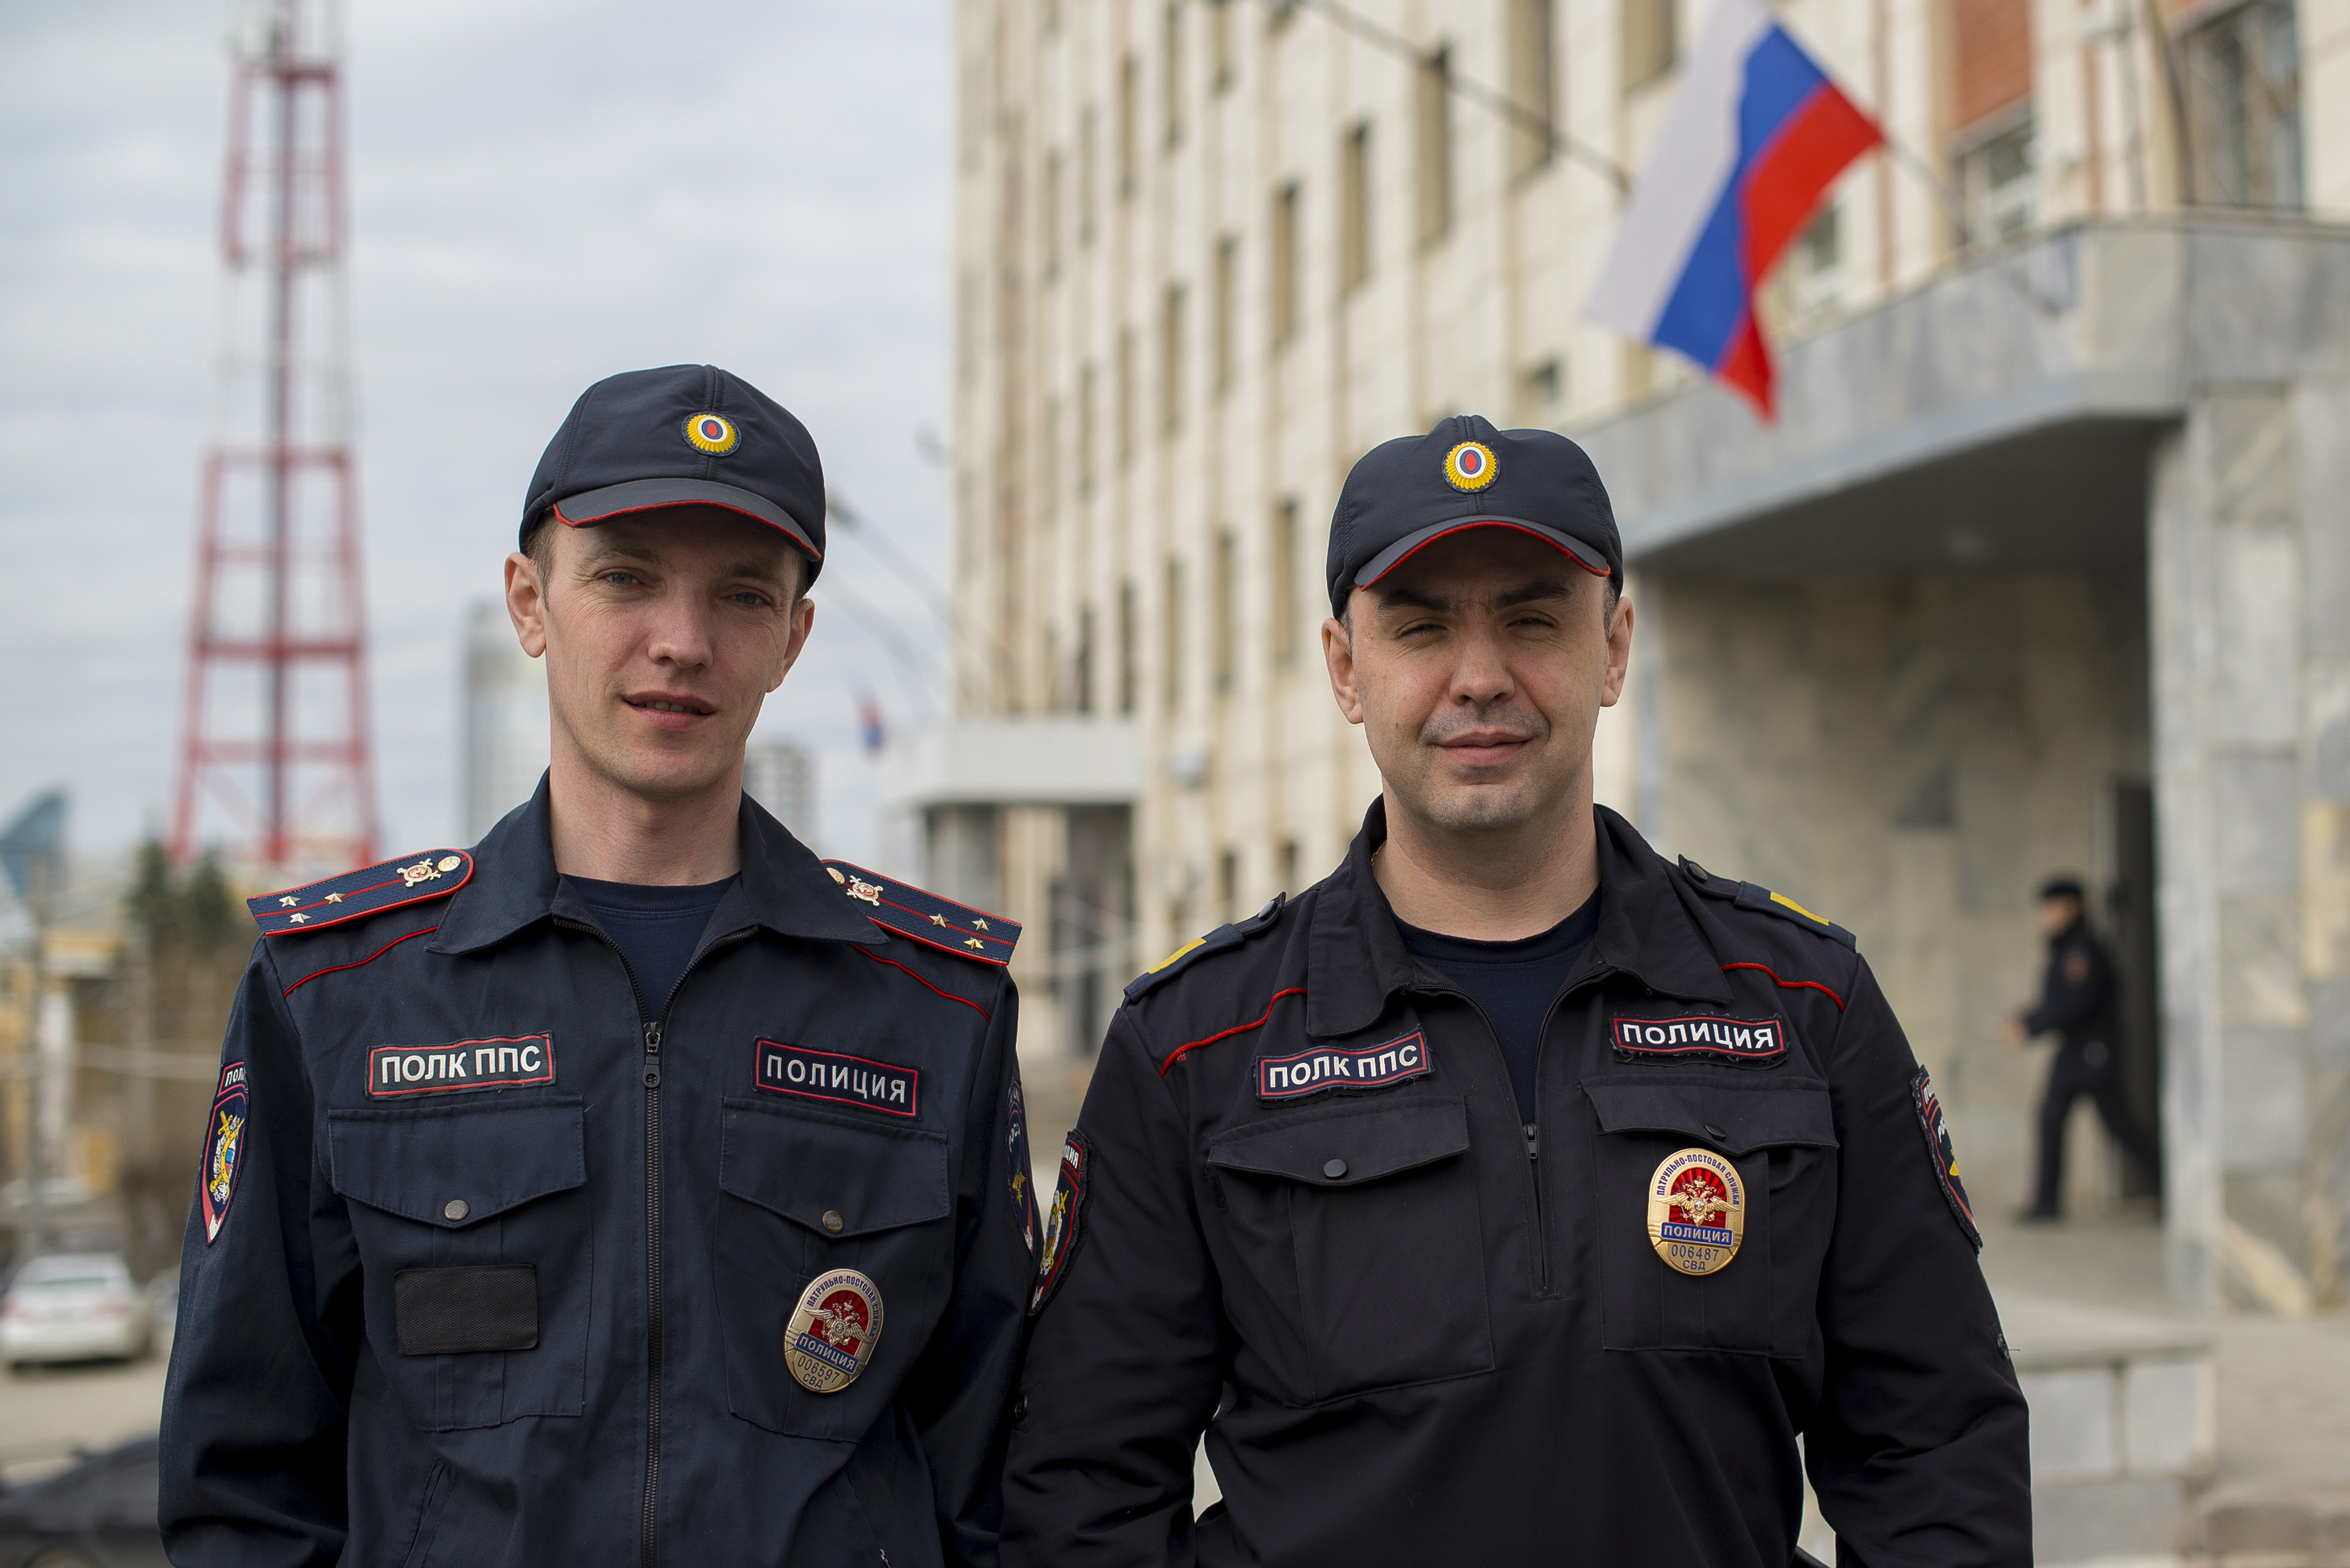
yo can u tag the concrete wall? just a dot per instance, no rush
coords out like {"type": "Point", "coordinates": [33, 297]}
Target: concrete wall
{"type": "Point", "coordinates": [1909, 755]}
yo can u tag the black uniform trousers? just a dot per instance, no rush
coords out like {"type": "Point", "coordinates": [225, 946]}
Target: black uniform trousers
{"type": "Point", "coordinates": [2088, 1067]}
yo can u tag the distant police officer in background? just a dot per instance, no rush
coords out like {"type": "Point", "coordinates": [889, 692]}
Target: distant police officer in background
{"type": "Point", "coordinates": [634, 1188]}
{"type": "Point", "coordinates": [2078, 1004]}
{"type": "Point", "coordinates": [1513, 1195]}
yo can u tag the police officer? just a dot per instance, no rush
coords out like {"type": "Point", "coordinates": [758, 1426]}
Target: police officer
{"type": "Point", "coordinates": [1513, 1195]}
{"type": "Point", "coordinates": [634, 1187]}
{"type": "Point", "coordinates": [2077, 1005]}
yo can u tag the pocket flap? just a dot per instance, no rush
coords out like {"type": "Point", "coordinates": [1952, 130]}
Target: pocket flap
{"type": "Point", "coordinates": [1350, 1144]}
{"type": "Point", "coordinates": [459, 1165]}
{"type": "Point", "coordinates": [1733, 1117]}
{"type": "Point", "coordinates": [837, 1177]}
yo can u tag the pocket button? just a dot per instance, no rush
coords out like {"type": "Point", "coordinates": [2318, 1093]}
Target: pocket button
{"type": "Point", "coordinates": [1334, 1169]}
{"type": "Point", "coordinates": [456, 1208]}
{"type": "Point", "coordinates": [833, 1221]}
{"type": "Point", "coordinates": [1716, 1134]}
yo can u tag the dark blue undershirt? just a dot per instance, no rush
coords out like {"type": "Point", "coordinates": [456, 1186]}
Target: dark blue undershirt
{"type": "Point", "coordinates": [657, 928]}
{"type": "Point", "coordinates": [1514, 982]}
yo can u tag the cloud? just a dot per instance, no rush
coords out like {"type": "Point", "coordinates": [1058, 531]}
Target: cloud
{"type": "Point", "coordinates": [540, 194]}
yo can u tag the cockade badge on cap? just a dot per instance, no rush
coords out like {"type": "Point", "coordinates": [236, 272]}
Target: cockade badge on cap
{"type": "Point", "coordinates": [370, 889]}
{"type": "Point", "coordinates": [1469, 467]}
{"type": "Point", "coordinates": [924, 916]}
{"type": "Point", "coordinates": [713, 433]}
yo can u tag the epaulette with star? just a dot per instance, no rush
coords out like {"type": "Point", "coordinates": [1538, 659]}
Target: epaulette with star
{"type": "Point", "coordinates": [909, 911]}
{"type": "Point", "coordinates": [1763, 901]}
{"type": "Point", "coordinates": [1198, 948]}
{"type": "Point", "coordinates": [369, 890]}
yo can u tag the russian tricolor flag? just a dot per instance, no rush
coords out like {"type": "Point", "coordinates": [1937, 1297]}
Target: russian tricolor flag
{"type": "Point", "coordinates": [1755, 135]}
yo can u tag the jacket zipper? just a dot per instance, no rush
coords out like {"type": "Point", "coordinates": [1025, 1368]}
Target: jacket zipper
{"type": "Point", "coordinates": [649, 1535]}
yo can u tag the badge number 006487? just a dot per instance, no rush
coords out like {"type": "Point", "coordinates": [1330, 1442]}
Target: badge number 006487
{"type": "Point", "coordinates": [1697, 1211]}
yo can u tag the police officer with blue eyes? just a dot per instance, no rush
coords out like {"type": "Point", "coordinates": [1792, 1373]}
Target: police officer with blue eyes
{"type": "Point", "coordinates": [632, 1187]}
{"type": "Point", "coordinates": [1513, 1195]}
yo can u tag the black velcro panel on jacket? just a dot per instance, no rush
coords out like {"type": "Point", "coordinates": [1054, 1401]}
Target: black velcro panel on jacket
{"type": "Point", "coordinates": [451, 1311]}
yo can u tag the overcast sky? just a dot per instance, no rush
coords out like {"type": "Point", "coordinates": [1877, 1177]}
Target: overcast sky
{"type": "Point", "coordinates": [542, 193]}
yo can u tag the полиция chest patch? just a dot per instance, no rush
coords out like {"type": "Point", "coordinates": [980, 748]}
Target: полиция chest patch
{"type": "Point", "coordinates": [838, 1078]}
{"type": "Point", "coordinates": [508, 1062]}
{"type": "Point", "coordinates": [1736, 1041]}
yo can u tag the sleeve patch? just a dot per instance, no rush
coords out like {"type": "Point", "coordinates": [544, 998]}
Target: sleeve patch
{"type": "Point", "coordinates": [223, 1149]}
{"type": "Point", "coordinates": [369, 890]}
{"type": "Point", "coordinates": [1931, 1122]}
{"type": "Point", "coordinates": [1061, 1226]}
{"type": "Point", "coordinates": [1023, 1178]}
{"type": "Point", "coordinates": [908, 912]}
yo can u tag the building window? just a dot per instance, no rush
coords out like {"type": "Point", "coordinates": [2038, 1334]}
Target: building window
{"type": "Point", "coordinates": [2243, 107]}
{"type": "Point", "coordinates": [1051, 214]}
{"type": "Point", "coordinates": [1532, 80]}
{"type": "Point", "coordinates": [1170, 651]}
{"type": "Point", "coordinates": [1049, 475]}
{"type": "Point", "coordinates": [1171, 75]}
{"type": "Point", "coordinates": [1170, 360]}
{"type": "Point", "coordinates": [1127, 679]}
{"type": "Point", "coordinates": [1285, 204]}
{"type": "Point", "coordinates": [1289, 859]}
{"type": "Point", "coordinates": [1129, 88]}
{"type": "Point", "coordinates": [968, 326]}
{"type": "Point", "coordinates": [1284, 584]}
{"type": "Point", "coordinates": [1088, 172]}
{"type": "Point", "coordinates": [1433, 111]}
{"type": "Point", "coordinates": [1996, 187]}
{"type": "Point", "coordinates": [1228, 277]}
{"type": "Point", "coordinates": [1814, 268]}
{"type": "Point", "coordinates": [1125, 396]}
{"type": "Point", "coordinates": [1086, 421]}
{"type": "Point", "coordinates": [1355, 208]}
{"type": "Point", "coordinates": [1541, 390]}
{"type": "Point", "coordinates": [1085, 670]}
{"type": "Point", "coordinates": [1220, 44]}
{"type": "Point", "coordinates": [1228, 885]}
{"type": "Point", "coordinates": [1226, 620]}
{"type": "Point", "coordinates": [1651, 40]}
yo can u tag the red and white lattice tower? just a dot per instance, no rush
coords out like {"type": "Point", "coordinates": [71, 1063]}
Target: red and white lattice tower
{"type": "Point", "coordinates": [274, 767]}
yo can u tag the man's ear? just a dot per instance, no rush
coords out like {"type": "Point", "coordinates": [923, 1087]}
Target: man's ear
{"type": "Point", "coordinates": [1620, 653]}
{"type": "Point", "coordinates": [526, 603]}
{"type": "Point", "coordinates": [802, 621]}
{"type": "Point", "coordinates": [1338, 655]}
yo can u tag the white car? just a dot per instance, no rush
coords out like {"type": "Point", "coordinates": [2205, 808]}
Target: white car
{"type": "Point", "coordinates": [74, 1306]}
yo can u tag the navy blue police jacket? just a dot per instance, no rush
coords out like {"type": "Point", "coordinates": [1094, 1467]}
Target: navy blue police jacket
{"type": "Point", "coordinates": [1300, 1212]}
{"type": "Point", "coordinates": [499, 1261]}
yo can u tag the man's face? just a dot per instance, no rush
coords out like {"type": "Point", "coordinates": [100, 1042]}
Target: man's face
{"type": "Point", "coordinates": [2057, 914]}
{"type": "Point", "coordinates": [662, 634]}
{"type": "Point", "coordinates": [1477, 670]}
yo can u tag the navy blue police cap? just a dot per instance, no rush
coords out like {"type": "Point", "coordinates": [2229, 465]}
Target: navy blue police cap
{"type": "Point", "coordinates": [1407, 494]}
{"type": "Point", "coordinates": [683, 435]}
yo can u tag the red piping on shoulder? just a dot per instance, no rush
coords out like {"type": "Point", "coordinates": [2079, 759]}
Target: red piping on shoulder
{"type": "Point", "coordinates": [356, 962]}
{"type": "Point", "coordinates": [1177, 1054]}
{"type": "Point", "coordinates": [949, 995]}
{"type": "Point", "coordinates": [1787, 984]}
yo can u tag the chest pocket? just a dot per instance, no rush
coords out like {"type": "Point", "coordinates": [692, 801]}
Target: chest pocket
{"type": "Point", "coordinates": [1357, 1225]}
{"type": "Point", "coordinates": [1780, 1135]}
{"type": "Point", "coordinates": [477, 1250]}
{"type": "Point", "coordinates": [805, 1192]}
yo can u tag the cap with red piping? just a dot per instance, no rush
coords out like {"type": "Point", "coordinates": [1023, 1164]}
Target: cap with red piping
{"type": "Point", "coordinates": [1407, 494]}
{"type": "Point", "coordinates": [682, 435]}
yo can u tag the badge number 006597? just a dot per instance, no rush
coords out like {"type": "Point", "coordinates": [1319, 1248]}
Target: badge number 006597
{"type": "Point", "coordinates": [1697, 1211]}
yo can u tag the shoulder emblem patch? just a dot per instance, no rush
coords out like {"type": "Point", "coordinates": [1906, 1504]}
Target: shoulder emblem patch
{"type": "Point", "coordinates": [369, 890]}
{"type": "Point", "coordinates": [223, 1149]}
{"type": "Point", "coordinates": [908, 912]}
{"type": "Point", "coordinates": [1931, 1122]}
{"type": "Point", "coordinates": [1061, 1223]}
{"type": "Point", "coordinates": [1763, 900]}
{"type": "Point", "coordinates": [1016, 1152]}
{"type": "Point", "coordinates": [1215, 941]}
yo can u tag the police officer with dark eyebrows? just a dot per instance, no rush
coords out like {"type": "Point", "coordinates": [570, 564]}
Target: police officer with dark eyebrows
{"type": "Point", "coordinates": [2078, 1004]}
{"type": "Point", "coordinates": [1513, 1195]}
{"type": "Point", "coordinates": [633, 1188]}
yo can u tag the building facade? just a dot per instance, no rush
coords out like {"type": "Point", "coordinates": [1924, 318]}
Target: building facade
{"type": "Point", "coordinates": [2040, 568]}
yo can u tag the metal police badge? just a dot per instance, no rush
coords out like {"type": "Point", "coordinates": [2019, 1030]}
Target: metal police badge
{"type": "Point", "coordinates": [833, 1331]}
{"type": "Point", "coordinates": [1697, 1211]}
{"type": "Point", "coordinates": [1469, 467]}
{"type": "Point", "coordinates": [223, 1149]}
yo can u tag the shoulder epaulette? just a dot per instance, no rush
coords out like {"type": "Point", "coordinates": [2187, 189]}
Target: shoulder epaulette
{"type": "Point", "coordinates": [908, 912]}
{"type": "Point", "coordinates": [369, 890]}
{"type": "Point", "coordinates": [1198, 948]}
{"type": "Point", "coordinates": [1748, 896]}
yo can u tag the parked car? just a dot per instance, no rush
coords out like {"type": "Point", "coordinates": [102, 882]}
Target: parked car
{"type": "Point", "coordinates": [74, 1306]}
{"type": "Point", "coordinates": [100, 1513]}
